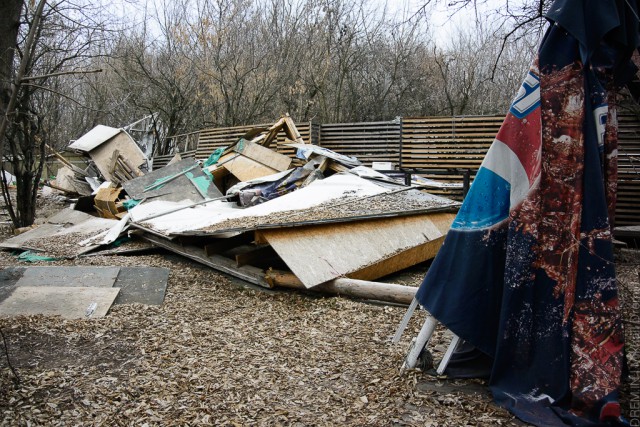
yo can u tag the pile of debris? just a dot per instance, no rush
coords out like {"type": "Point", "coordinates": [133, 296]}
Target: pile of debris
{"type": "Point", "coordinates": [319, 221]}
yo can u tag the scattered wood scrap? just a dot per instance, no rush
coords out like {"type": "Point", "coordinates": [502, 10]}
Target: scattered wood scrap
{"type": "Point", "coordinates": [121, 169]}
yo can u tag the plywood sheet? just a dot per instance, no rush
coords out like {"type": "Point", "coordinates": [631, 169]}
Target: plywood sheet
{"type": "Point", "coordinates": [321, 253]}
{"type": "Point", "coordinates": [68, 302]}
{"type": "Point", "coordinates": [142, 285]}
{"type": "Point", "coordinates": [264, 155]}
{"type": "Point", "coordinates": [246, 169]}
{"type": "Point", "coordinates": [101, 277]}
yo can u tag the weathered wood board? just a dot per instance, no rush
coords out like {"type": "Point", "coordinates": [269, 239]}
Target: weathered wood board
{"type": "Point", "coordinates": [246, 169]}
{"type": "Point", "coordinates": [362, 250]}
{"type": "Point", "coordinates": [99, 277]}
{"type": "Point", "coordinates": [266, 156]}
{"type": "Point", "coordinates": [68, 302]}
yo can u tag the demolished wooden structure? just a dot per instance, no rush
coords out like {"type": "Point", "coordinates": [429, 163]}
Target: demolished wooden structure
{"type": "Point", "coordinates": [341, 228]}
{"type": "Point", "coordinates": [320, 221]}
{"type": "Point", "coordinates": [105, 145]}
{"type": "Point", "coordinates": [448, 149]}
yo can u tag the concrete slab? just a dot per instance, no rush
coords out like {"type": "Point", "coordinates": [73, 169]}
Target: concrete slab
{"type": "Point", "coordinates": [68, 302]}
{"type": "Point", "coordinates": [143, 285]}
{"type": "Point", "coordinates": [100, 277]}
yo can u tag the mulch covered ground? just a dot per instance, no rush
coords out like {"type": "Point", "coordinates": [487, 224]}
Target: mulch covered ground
{"type": "Point", "coordinates": [217, 353]}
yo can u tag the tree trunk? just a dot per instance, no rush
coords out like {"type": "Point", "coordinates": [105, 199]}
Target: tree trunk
{"type": "Point", "coordinates": [25, 202]}
{"type": "Point", "coordinates": [9, 25]}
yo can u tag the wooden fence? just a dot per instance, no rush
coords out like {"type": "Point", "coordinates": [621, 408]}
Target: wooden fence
{"type": "Point", "coordinates": [628, 205]}
{"type": "Point", "coordinates": [441, 148]}
{"type": "Point", "coordinates": [369, 142]}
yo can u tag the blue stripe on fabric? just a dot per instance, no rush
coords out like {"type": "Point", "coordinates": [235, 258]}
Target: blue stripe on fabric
{"type": "Point", "coordinates": [486, 204]}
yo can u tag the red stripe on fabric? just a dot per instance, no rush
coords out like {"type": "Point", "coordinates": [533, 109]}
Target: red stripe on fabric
{"type": "Point", "coordinates": [523, 137]}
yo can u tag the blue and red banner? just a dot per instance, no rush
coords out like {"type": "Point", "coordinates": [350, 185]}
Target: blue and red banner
{"type": "Point", "coordinates": [526, 273]}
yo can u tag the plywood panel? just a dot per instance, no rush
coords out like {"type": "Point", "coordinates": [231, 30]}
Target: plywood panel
{"type": "Point", "coordinates": [321, 253]}
{"type": "Point", "coordinates": [102, 277]}
{"type": "Point", "coordinates": [246, 169]}
{"type": "Point", "coordinates": [68, 302]}
{"type": "Point", "coordinates": [264, 155]}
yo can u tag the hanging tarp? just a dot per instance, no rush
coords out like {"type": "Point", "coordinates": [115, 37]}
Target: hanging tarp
{"type": "Point", "coordinates": [539, 293]}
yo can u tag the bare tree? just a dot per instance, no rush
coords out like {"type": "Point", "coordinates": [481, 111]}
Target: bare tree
{"type": "Point", "coordinates": [55, 39]}
{"type": "Point", "coordinates": [9, 24]}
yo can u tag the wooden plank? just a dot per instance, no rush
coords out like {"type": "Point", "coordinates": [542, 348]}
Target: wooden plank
{"type": "Point", "coordinates": [246, 169]}
{"type": "Point", "coordinates": [264, 155]}
{"type": "Point", "coordinates": [319, 253]}
{"type": "Point", "coordinates": [68, 302]}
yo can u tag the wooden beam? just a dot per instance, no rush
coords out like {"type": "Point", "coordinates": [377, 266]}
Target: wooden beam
{"type": "Point", "coordinates": [387, 292]}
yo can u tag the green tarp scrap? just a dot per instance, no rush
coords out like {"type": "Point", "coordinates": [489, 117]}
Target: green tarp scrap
{"type": "Point", "coordinates": [214, 157]}
{"type": "Point", "coordinates": [29, 256]}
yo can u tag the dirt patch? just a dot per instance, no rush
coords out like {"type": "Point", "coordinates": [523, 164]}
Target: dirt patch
{"type": "Point", "coordinates": [33, 349]}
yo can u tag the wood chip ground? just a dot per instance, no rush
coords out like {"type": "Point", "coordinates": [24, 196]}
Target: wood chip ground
{"type": "Point", "coordinates": [217, 354]}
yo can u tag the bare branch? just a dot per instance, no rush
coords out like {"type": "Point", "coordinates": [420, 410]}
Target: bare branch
{"type": "Point", "coordinates": [61, 73]}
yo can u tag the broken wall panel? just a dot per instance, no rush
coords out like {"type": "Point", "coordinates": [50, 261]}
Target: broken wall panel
{"type": "Point", "coordinates": [102, 141]}
{"type": "Point", "coordinates": [183, 180]}
{"type": "Point", "coordinates": [211, 218]}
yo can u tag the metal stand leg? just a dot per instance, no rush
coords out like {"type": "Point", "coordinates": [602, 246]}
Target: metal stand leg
{"type": "Point", "coordinates": [405, 321]}
{"type": "Point", "coordinates": [447, 356]}
{"type": "Point", "coordinates": [421, 341]}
